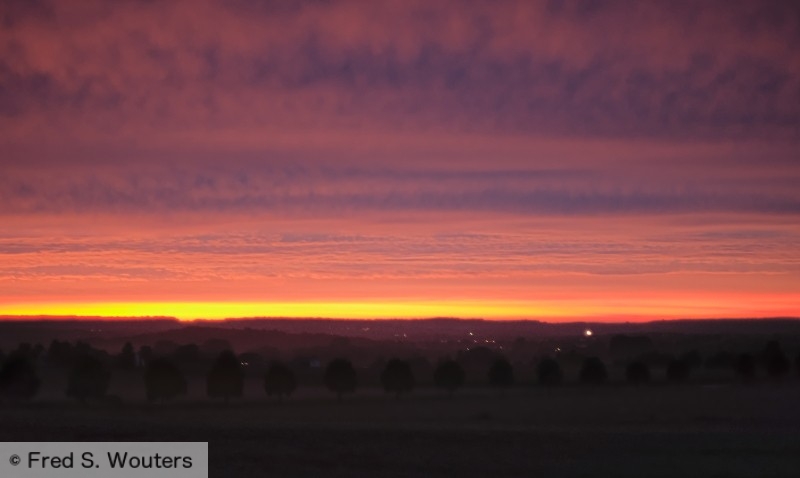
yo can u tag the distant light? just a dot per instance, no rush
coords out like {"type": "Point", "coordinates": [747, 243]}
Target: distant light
{"type": "Point", "coordinates": [588, 332]}
{"type": "Point", "coordinates": [471, 333]}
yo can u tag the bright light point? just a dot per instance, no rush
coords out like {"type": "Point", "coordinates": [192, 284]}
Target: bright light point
{"type": "Point", "coordinates": [588, 332]}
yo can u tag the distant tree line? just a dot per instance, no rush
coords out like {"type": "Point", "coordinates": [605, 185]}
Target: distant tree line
{"type": "Point", "coordinates": [88, 372]}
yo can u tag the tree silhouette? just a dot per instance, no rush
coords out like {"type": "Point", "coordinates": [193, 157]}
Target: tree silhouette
{"type": "Point", "coordinates": [279, 380]}
{"type": "Point", "coordinates": [225, 380]}
{"type": "Point", "coordinates": [188, 358]}
{"type": "Point", "coordinates": [501, 374]}
{"type": "Point", "coordinates": [397, 377]}
{"type": "Point", "coordinates": [59, 354]}
{"type": "Point", "coordinates": [18, 378]}
{"type": "Point", "coordinates": [548, 372]}
{"type": "Point", "coordinates": [637, 372]}
{"type": "Point", "coordinates": [777, 364]}
{"type": "Point", "coordinates": [421, 367]}
{"type": "Point", "coordinates": [126, 360]}
{"type": "Point", "coordinates": [145, 353]}
{"type": "Point", "coordinates": [449, 375]}
{"type": "Point", "coordinates": [163, 380]}
{"type": "Point", "coordinates": [340, 377]}
{"type": "Point", "coordinates": [88, 379]}
{"type": "Point", "coordinates": [593, 371]}
{"type": "Point", "coordinates": [797, 364]}
{"type": "Point", "coordinates": [745, 367]}
{"type": "Point", "coordinates": [721, 360]}
{"type": "Point", "coordinates": [678, 371]}
{"type": "Point", "coordinates": [692, 359]}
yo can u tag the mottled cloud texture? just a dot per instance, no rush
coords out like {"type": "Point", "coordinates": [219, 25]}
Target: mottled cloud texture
{"type": "Point", "coordinates": [686, 69]}
{"type": "Point", "coordinates": [525, 152]}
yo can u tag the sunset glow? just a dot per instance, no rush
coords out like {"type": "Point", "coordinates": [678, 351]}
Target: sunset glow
{"type": "Point", "coordinates": [208, 159]}
{"type": "Point", "coordinates": [631, 310]}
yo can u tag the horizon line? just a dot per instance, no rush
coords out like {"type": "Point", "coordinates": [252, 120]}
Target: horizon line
{"type": "Point", "coordinates": [78, 318]}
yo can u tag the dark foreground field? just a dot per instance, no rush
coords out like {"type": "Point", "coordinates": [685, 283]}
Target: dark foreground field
{"type": "Point", "coordinates": [734, 431]}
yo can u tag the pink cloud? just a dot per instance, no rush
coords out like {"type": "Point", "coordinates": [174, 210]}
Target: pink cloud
{"type": "Point", "coordinates": [136, 68]}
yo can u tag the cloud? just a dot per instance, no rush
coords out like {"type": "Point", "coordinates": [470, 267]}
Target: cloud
{"type": "Point", "coordinates": [313, 191]}
{"type": "Point", "coordinates": [225, 254]}
{"type": "Point", "coordinates": [662, 69]}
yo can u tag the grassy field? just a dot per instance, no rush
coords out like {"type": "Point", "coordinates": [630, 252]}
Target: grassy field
{"type": "Point", "coordinates": [733, 430]}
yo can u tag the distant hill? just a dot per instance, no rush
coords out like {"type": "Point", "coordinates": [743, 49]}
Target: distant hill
{"type": "Point", "coordinates": [296, 333]}
{"type": "Point", "coordinates": [448, 328]}
{"type": "Point", "coordinates": [241, 338]}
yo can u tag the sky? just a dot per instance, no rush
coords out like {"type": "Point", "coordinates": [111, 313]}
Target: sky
{"type": "Point", "coordinates": [548, 160]}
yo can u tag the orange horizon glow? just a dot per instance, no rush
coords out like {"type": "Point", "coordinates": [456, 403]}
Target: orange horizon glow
{"type": "Point", "coordinates": [552, 311]}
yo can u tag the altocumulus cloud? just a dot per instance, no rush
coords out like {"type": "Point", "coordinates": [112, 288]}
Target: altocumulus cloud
{"type": "Point", "coordinates": [318, 194]}
{"type": "Point", "coordinates": [674, 69]}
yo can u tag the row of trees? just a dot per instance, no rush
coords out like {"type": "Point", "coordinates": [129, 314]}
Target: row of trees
{"type": "Point", "coordinates": [89, 376]}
